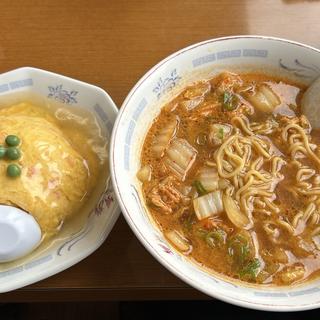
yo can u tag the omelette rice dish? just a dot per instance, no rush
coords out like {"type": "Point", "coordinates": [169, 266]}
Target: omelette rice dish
{"type": "Point", "coordinates": [58, 166]}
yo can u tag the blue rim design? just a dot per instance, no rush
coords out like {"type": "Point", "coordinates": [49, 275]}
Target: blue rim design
{"type": "Point", "coordinates": [62, 95]}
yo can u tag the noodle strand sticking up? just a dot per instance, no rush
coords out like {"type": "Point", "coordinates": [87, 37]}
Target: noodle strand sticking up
{"type": "Point", "coordinates": [299, 145]}
{"type": "Point", "coordinates": [258, 183]}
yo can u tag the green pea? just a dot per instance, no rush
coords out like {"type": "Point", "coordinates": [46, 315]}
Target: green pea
{"type": "Point", "coordinates": [13, 170]}
{"type": "Point", "coordinates": [13, 153]}
{"type": "Point", "coordinates": [2, 151]}
{"type": "Point", "coordinates": [12, 140]}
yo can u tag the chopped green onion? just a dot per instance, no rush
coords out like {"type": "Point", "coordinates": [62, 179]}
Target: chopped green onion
{"type": "Point", "coordinates": [13, 153]}
{"type": "Point", "coordinates": [226, 97]}
{"type": "Point", "coordinates": [188, 221]}
{"type": "Point", "coordinates": [213, 238]}
{"type": "Point", "coordinates": [241, 250]}
{"type": "Point", "coordinates": [229, 101]}
{"type": "Point", "coordinates": [238, 249]}
{"type": "Point", "coordinates": [199, 187]}
{"type": "Point", "coordinates": [250, 270]}
{"type": "Point", "coordinates": [13, 170]}
{"type": "Point", "coordinates": [220, 133]}
{"type": "Point", "coordinates": [12, 140]}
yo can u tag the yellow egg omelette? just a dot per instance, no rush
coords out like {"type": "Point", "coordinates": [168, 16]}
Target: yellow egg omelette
{"type": "Point", "coordinates": [55, 177]}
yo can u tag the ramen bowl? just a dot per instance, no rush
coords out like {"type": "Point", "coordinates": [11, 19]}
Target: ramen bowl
{"type": "Point", "coordinates": [68, 247]}
{"type": "Point", "coordinates": [159, 85]}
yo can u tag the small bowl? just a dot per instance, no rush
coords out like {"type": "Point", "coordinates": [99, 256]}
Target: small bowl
{"type": "Point", "coordinates": [64, 251]}
{"type": "Point", "coordinates": [203, 60]}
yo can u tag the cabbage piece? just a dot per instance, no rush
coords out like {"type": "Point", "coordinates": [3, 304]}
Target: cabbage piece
{"type": "Point", "coordinates": [263, 99]}
{"type": "Point", "coordinates": [191, 104]}
{"type": "Point", "coordinates": [228, 82]}
{"type": "Point", "coordinates": [199, 188]}
{"type": "Point", "coordinates": [144, 174]}
{"type": "Point", "coordinates": [208, 205]}
{"type": "Point", "coordinates": [234, 214]}
{"type": "Point", "coordinates": [194, 95]}
{"type": "Point", "coordinates": [178, 240]}
{"type": "Point", "coordinates": [180, 157]}
{"type": "Point", "coordinates": [292, 273]}
{"type": "Point", "coordinates": [219, 132]}
{"type": "Point", "coordinates": [316, 241]}
{"type": "Point", "coordinates": [198, 90]}
{"type": "Point", "coordinates": [162, 138]}
{"type": "Point", "coordinates": [209, 179]}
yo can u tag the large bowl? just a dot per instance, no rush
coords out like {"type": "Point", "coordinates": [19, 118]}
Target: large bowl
{"type": "Point", "coordinates": [67, 249]}
{"type": "Point", "coordinates": [142, 105]}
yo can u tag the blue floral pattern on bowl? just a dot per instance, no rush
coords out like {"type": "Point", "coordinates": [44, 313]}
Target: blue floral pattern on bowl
{"type": "Point", "coordinates": [301, 70]}
{"type": "Point", "coordinates": [106, 201]}
{"type": "Point", "coordinates": [59, 94]}
{"type": "Point", "coordinates": [167, 84]}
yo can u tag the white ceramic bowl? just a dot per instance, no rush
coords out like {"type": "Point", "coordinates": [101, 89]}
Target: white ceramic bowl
{"type": "Point", "coordinates": [71, 248]}
{"type": "Point", "coordinates": [143, 103]}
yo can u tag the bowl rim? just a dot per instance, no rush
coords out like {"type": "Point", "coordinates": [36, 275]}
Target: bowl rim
{"type": "Point", "coordinates": [114, 214]}
{"type": "Point", "coordinates": [125, 211]}
{"type": "Point", "coordinates": [67, 78]}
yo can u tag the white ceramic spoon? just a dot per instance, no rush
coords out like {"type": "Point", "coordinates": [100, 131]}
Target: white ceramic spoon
{"type": "Point", "coordinates": [310, 104]}
{"type": "Point", "coordinates": [19, 233]}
